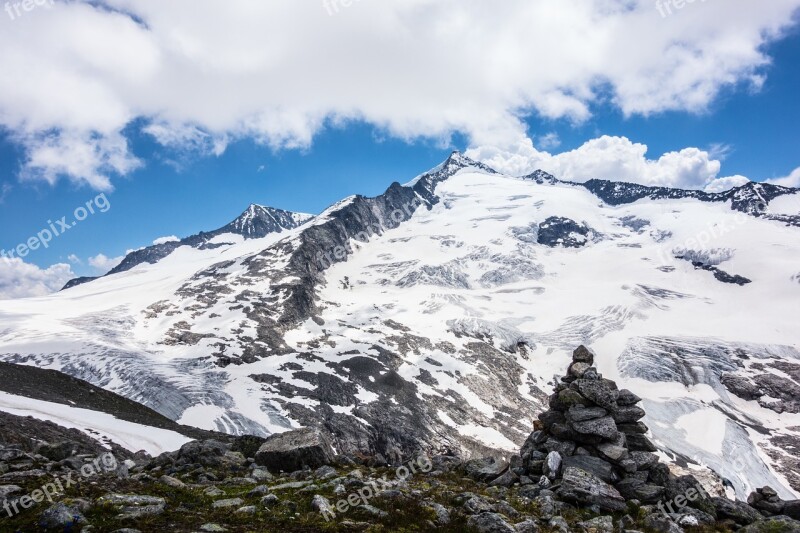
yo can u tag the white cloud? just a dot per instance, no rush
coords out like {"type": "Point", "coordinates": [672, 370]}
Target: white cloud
{"type": "Point", "coordinates": [792, 180]}
{"type": "Point", "coordinates": [727, 183]}
{"type": "Point", "coordinates": [201, 74]}
{"type": "Point", "coordinates": [549, 141]}
{"type": "Point", "coordinates": [103, 264]}
{"type": "Point", "coordinates": [19, 279]}
{"type": "Point", "coordinates": [72, 258]}
{"type": "Point", "coordinates": [164, 240]}
{"type": "Point", "coordinates": [611, 158]}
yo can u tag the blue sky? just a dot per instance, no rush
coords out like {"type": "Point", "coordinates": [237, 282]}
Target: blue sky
{"type": "Point", "coordinates": [739, 107]}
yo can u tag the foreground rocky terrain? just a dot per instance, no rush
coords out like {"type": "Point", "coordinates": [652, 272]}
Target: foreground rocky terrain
{"type": "Point", "coordinates": [589, 466]}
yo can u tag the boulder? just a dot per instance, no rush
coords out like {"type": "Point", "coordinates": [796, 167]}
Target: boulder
{"type": "Point", "coordinates": [61, 517]}
{"type": "Point", "coordinates": [489, 523]}
{"type": "Point", "coordinates": [580, 486]}
{"type": "Point", "coordinates": [485, 468]}
{"type": "Point", "coordinates": [594, 465]}
{"type": "Point", "coordinates": [739, 512]}
{"type": "Point", "coordinates": [295, 450]}
{"type": "Point", "coordinates": [792, 509]}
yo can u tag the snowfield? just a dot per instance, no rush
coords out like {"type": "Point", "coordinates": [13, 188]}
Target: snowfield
{"type": "Point", "coordinates": [100, 426]}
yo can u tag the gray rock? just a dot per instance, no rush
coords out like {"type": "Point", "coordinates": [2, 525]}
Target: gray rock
{"type": "Point", "coordinates": [227, 503]}
{"type": "Point", "coordinates": [8, 490]}
{"type": "Point", "coordinates": [172, 482]}
{"type": "Point", "coordinates": [489, 523]}
{"type": "Point", "coordinates": [212, 528]}
{"type": "Point", "coordinates": [640, 443]}
{"type": "Point", "coordinates": [213, 492]}
{"type": "Point", "coordinates": [292, 485]}
{"type": "Point", "coordinates": [477, 505]}
{"type": "Point", "coordinates": [627, 398]}
{"type": "Point", "coordinates": [604, 427]}
{"type": "Point", "coordinates": [578, 369]}
{"type": "Point", "coordinates": [612, 452]}
{"type": "Point", "coordinates": [204, 452]}
{"type": "Point", "coordinates": [247, 509]}
{"type": "Point", "coordinates": [374, 511]}
{"type": "Point", "coordinates": [661, 524]}
{"type": "Point", "coordinates": [594, 465]}
{"type": "Point", "coordinates": [558, 523]}
{"type": "Point", "coordinates": [584, 488]}
{"type": "Point", "coordinates": [636, 427]}
{"type": "Point", "coordinates": [325, 472]}
{"type": "Point", "coordinates": [322, 505]}
{"type": "Point", "coordinates": [261, 474]}
{"type": "Point", "coordinates": [563, 447]}
{"type": "Point", "coordinates": [601, 524]}
{"type": "Point", "coordinates": [442, 514]}
{"type": "Point", "coordinates": [583, 355]}
{"type": "Point", "coordinates": [269, 500]}
{"type": "Point", "coordinates": [485, 468]}
{"type": "Point", "coordinates": [506, 479]}
{"type": "Point", "coordinates": [57, 452]}
{"type": "Point", "coordinates": [792, 509]}
{"type": "Point", "coordinates": [634, 489]}
{"type": "Point", "coordinates": [552, 465]}
{"type": "Point", "coordinates": [601, 392]}
{"type": "Point", "coordinates": [566, 398]}
{"type": "Point", "coordinates": [628, 415]}
{"type": "Point", "coordinates": [528, 526]}
{"type": "Point", "coordinates": [739, 512]}
{"type": "Point", "coordinates": [580, 413]}
{"type": "Point", "coordinates": [62, 517]}
{"type": "Point", "coordinates": [296, 450]}
{"type": "Point", "coordinates": [644, 460]}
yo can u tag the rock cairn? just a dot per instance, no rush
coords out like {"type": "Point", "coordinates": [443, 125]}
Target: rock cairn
{"type": "Point", "coordinates": [591, 447]}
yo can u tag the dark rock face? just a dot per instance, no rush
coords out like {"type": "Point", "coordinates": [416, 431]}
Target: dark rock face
{"type": "Point", "coordinates": [560, 231]}
{"type": "Point", "coordinates": [295, 450]}
{"type": "Point", "coordinates": [752, 198]}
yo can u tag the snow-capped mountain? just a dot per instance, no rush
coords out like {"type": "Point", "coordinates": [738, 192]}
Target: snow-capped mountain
{"type": "Point", "coordinates": [436, 315]}
{"type": "Point", "coordinates": [256, 222]}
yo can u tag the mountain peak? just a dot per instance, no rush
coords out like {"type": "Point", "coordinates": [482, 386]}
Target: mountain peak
{"type": "Point", "coordinates": [259, 221]}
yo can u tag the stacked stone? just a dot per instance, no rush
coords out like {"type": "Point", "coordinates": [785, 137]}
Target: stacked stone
{"type": "Point", "coordinates": [590, 447]}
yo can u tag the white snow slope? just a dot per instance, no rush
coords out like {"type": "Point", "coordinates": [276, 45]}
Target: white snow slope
{"type": "Point", "coordinates": [469, 270]}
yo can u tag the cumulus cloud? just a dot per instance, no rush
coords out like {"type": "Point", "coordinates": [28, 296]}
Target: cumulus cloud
{"type": "Point", "coordinates": [19, 279]}
{"type": "Point", "coordinates": [164, 240]}
{"type": "Point", "coordinates": [103, 264]}
{"type": "Point", "coordinates": [792, 180]}
{"type": "Point", "coordinates": [611, 158]}
{"type": "Point", "coordinates": [197, 75]}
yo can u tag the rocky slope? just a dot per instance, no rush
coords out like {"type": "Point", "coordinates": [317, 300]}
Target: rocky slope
{"type": "Point", "coordinates": [589, 468]}
{"type": "Point", "coordinates": [435, 315]}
